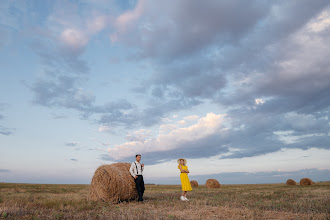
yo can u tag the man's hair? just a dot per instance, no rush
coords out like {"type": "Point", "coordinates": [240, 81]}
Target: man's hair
{"type": "Point", "coordinates": [137, 155]}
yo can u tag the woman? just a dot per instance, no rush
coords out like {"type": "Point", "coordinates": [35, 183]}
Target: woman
{"type": "Point", "coordinates": [184, 178]}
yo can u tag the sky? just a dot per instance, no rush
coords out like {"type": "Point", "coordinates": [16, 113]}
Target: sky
{"type": "Point", "coordinates": [241, 89]}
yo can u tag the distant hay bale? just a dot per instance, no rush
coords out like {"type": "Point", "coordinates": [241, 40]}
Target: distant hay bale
{"type": "Point", "coordinates": [193, 183]}
{"type": "Point", "coordinates": [306, 181]}
{"type": "Point", "coordinates": [212, 184]}
{"type": "Point", "coordinates": [113, 183]}
{"type": "Point", "coordinates": [291, 182]}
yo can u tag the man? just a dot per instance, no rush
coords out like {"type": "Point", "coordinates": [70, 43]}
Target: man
{"type": "Point", "coordinates": [136, 172]}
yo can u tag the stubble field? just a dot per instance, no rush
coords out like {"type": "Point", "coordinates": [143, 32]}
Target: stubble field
{"type": "Point", "coordinates": [260, 201]}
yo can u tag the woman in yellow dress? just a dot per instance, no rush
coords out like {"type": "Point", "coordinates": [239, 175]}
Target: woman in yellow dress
{"type": "Point", "coordinates": [184, 178]}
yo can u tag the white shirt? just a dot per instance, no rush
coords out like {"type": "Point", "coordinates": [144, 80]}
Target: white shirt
{"type": "Point", "coordinates": [136, 169]}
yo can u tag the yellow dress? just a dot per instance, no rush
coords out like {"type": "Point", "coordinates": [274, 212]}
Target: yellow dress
{"type": "Point", "coordinates": [184, 179]}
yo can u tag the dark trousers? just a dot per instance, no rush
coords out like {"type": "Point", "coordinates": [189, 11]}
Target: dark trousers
{"type": "Point", "coordinates": [139, 183]}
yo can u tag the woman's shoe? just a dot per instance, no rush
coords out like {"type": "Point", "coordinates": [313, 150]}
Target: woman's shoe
{"type": "Point", "coordinates": [182, 198]}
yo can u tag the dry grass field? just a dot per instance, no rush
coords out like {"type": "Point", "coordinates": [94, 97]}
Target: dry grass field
{"type": "Point", "coordinates": [262, 201]}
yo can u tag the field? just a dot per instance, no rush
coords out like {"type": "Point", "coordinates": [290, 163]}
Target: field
{"type": "Point", "coordinates": [262, 201]}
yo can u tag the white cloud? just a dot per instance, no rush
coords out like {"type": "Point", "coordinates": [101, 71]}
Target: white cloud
{"type": "Point", "coordinates": [74, 26]}
{"type": "Point", "coordinates": [97, 23]}
{"type": "Point", "coordinates": [104, 128]}
{"type": "Point", "coordinates": [139, 136]}
{"type": "Point", "coordinates": [259, 101]}
{"type": "Point", "coordinates": [124, 21]}
{"type": "Point", "coordinates": [206, 126]}
{"type": "Point", "coordinates": [320, 23]}
{"type": "Point", "coordinates": [181, 122]}
{"type": "Point", "coordinates": [74, 39]}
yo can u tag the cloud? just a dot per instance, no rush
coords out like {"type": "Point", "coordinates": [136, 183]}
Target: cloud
{"type": "Point", "coordinates": [257, 133]}
{"type": "Point", "coordinates": [266, 69]}
{"type": "Point", "coordinates": [141, 135]}
{"type": "Point", "coordinates": [293, 63]}
{"type": "Point", "coordinates": [73, 159]}
{"type": "Point", "coordinates": [72, 144]}
{"type": "Point", "coordinates": [4, 130]}
{"type": "Point", "coordinates": [230, 64]}
{"type": "Point", "coordinates": [268, 66]}
{"type": "Point", "coordinates": [65, 73]}
{"type": "Point", "coordinates": [5, 171]}
{"type": "Point", "coordinates": [127, 19]}
{"type": "Point", "coordinates": [178, 140]}
{"type": "Point", "coordinates": [61, 84]}
{"type": "Point", "coordinates": [275, 78]}
{"type": "Point", "coordinates": [60, 47]}
{"type": "Point", "coordinates": [2, 108]}
{"type": "Point", "coordinates": [61, 91]}
{"type": "Point", "coordinates": [104, 128]}
{"type": "Point", "coordinates": [98, 23]}
{"type": "Point", "coordinates": [236, 135]}
{"type": "Point", "coordinates": [159, 33]}
{"type": "Point", "coordinates": [74, 39]}
{"type": "Point", "coordinates": [159, 108]}
{"type": "Point", "coordinates": [321, 23]}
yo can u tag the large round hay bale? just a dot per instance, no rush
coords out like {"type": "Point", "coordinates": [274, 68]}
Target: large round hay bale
{"type": "Point", "coordinates": [212, 184]}
{"type": "Point", "coordinates": [306, 181]}
{"type": "Point", "coordinates": [193, 183]}
{"type": "Point", "coordinates": [113, 183]}
{"type": "Point", "coordinates": [291, 182]}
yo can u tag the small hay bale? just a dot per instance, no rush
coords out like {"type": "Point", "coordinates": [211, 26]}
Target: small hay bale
{"type": "Point", "coordinates": [212, 184]}
{"type": "Point", "coordinates": [113, 183]}
{"type": "Point", "coordinates": [193, 183]}
{"type": "Point", "coordinates": [306, 181]}
{"type": "Point", "coordinates": [291, 182]}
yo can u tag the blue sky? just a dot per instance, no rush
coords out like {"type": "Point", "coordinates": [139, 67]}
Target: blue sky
{"type": "Point", "coordinates": [240, 89]}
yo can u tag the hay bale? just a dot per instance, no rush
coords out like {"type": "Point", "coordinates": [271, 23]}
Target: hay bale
{"type": "Point", "coordinates": [113, 183]}
{"type": "Point", "coordinates": [212, 184]}
{"type": "Point", "coordinates": [291, 182]}
{"type": "Point", "coordinates": [306, 181]}
{"type": "Point", "coordinates": [193, 183]}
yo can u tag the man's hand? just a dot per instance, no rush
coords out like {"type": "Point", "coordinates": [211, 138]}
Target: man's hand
{"type": "Point", "coordinates": [142, 165]}
{"type": "Point", "coordinates": [135, 177]}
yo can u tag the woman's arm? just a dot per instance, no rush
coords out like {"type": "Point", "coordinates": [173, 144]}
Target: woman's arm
{"type": "Point", "coordinates": [182, 170]}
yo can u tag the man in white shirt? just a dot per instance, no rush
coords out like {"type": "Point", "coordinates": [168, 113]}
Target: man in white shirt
{"type": "Point", "coordinates": [136, 172]}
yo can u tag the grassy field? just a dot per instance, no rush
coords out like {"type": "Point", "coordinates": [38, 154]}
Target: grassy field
{"type": "Point", "coordinates": [262, 201]}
